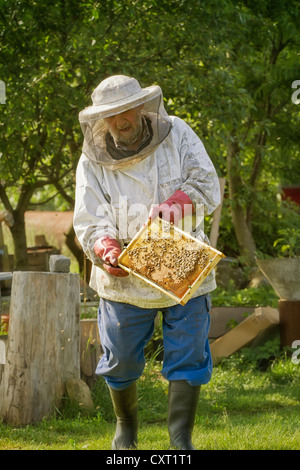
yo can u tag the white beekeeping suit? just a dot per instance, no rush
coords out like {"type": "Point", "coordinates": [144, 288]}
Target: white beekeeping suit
{"type": "Point", "coordinates": [115, 189]}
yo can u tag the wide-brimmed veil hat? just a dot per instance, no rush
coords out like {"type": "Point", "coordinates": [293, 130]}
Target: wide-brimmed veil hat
{"type": "Point", "coordinates": [115, 95]}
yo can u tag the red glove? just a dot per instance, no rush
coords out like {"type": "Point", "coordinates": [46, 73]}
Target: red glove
{"type": "Point", "coordinates": [108, 249]}
{"type": "Point", "coordinates": [174, 208]}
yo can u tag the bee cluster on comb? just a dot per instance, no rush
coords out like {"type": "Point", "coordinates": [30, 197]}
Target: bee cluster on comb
{"type": "Point", "coordinates": [169, 259]}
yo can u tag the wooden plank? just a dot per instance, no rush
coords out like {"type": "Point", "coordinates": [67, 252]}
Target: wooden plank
{"type": "Point", "coordinates": [222, 319]}
{"type": "Point", "coordinates": [5, 276]}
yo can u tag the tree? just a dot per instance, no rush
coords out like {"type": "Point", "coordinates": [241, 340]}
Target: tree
{"type": "Point", "coordinates": [266, 61]}
{"type": "Point", "coordinates": [225, 67]}
{"type": "Point", "coordinates": [243, 84]}
{"type": "Point", "coordinates": [38, 144]}
{"type": "Point", "coordinates": [53, 54]}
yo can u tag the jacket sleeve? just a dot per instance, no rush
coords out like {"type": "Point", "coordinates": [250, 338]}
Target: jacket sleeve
{"type": "Point", "coordinates": [200, 180]}
{"type": "Point", "coordinates": [93, 215]}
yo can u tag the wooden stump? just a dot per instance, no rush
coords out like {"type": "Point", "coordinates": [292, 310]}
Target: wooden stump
{"type": "Point", "coordinates": [42, 347]}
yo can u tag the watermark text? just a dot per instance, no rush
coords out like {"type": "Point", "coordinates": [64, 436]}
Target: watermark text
{"type": "Point", "coordinates": [130, 218]}
{"type": "Point", "coordinates": [2, 92]}
{"type": "Point", "coordinates": [295, 99]}
{"type": "Point", "coordinates": [296, 354]}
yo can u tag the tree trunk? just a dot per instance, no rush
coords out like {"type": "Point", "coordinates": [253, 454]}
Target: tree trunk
{"type": "Point", "coordinates": [243, 234]}
{"type": "Point", "coordinates": [74, 248]}
{"type": "Point", "coordinates": [239, 214]}
{"type": "Point", "coordinates": [78, 253]}
{"type": "Point", "coordinates": [43, 345]}
{"type": "Point", "coordinates": [20, 245]}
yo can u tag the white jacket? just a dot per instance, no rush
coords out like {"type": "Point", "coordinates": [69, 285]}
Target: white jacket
{"type": "Point", "coordinates": [117, 203]}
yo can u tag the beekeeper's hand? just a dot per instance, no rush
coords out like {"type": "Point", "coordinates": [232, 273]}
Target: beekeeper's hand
{"type": "Point", "coordinates": [174, 208]}
{"type": "Point", "coordinates": [108, 249]}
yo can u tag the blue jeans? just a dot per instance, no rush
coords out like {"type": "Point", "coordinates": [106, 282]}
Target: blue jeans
{"type": "Point", "coordinates": [126, 329]}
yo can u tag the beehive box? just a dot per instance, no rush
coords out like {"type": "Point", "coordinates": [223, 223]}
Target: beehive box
{"type": "Point", "coordinates": [169, 259]}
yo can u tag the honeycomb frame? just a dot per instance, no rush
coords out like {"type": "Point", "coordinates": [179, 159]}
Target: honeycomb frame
{"type": "Point", "coordinates": [169, 259]}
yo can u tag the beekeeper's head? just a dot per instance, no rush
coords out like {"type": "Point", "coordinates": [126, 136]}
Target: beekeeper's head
{"type": "Point", "coordinates": [125, 123]}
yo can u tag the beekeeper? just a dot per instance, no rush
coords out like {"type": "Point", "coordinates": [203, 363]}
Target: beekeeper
{"type": "Point", "coordinates": [137, 161]}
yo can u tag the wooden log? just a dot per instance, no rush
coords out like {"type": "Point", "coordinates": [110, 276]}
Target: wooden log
{"type": "Point", "coordinates": [42, 347]}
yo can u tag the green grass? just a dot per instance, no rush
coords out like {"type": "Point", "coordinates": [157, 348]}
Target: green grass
{"type": "Point", "coordinates": [241, 408]}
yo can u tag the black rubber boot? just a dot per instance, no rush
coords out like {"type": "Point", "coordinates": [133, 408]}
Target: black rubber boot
{"type": "Point", "coordinates": [183, 400]}
{"type": "Point", "coordinates": [125, 407]}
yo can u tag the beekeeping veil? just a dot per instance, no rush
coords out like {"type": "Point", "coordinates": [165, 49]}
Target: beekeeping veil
{"type": "Point", "coordinates": [114, 95]}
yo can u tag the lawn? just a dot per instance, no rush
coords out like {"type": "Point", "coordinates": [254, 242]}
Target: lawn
{"type": "Point", "coordinates": [243, 407]}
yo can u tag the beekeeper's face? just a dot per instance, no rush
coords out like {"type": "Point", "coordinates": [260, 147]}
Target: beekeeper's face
{"type": "Point", "coordinates": [127, 127]}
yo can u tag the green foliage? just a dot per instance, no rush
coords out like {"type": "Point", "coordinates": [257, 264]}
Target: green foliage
{"type": "Point", "coordinates": [282, 216]}
{"type": "Point", "coordinates": [261, 356]}
{"type": "Point", "coordinates": [231, 88]}
{"type": "Point", "coordinates": [3, 330]}
{"type": "Point", "coordinates": [288, 244]}
{"type": "Point", "coordinates": [284, 371]}
{"type": "Point", "coordinates": [262, 296]}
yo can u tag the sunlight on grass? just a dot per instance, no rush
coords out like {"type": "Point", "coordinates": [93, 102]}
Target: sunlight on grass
{"type": "Point", "coordinates": [241, 408]}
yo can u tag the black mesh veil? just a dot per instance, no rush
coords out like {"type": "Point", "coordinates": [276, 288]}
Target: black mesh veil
{"type": "Point", "coordinates": [95, 130]}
